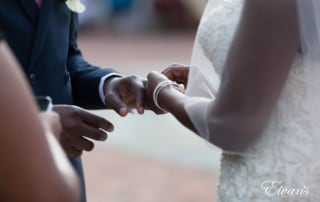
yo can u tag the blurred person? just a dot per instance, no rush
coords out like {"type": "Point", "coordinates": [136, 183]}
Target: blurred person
{"type": "Point", "coordinates": [264, 111]}
{"type": "Point", "coordinates": [125, 16]}
{"type": "Point", "coordinates": [175, 13]}
{"type": "Point", "coordinates": [43, 36]}
{"type": "Point", "coordinates": [97, 13]}
{"type": "Point", "coordinates": [195, 7]}
{"type": "Point", "coordinates": [133, 16]}
{"type": "Point", "coordinates": [34, 166]}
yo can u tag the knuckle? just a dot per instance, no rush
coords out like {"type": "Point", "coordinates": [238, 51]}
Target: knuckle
{"type": "Point", "coordinates": [151, 74]}
{"type": "Point", "coordinates": [133, 77]}
{"type": "Point", "coordinates": [129, 80]}
{"type": "Point", "coordinates": [76, 111]}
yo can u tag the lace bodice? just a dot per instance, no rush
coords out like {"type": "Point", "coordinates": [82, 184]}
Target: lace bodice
{"type": "Point", "coordinates": [286, 151]}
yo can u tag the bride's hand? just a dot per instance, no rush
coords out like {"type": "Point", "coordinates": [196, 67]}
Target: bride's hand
{"type": "Point", "coordinates": [178, 73]}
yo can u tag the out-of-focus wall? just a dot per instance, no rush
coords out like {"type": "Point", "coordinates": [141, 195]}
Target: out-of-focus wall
{"type": "Point", "coordinates": [196, 7]}
{"type": "Point", "coordinates": [142, 15]}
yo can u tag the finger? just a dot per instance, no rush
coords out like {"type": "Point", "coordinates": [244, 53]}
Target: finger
{"type": "Point", "coordinates": [168, 73]}
{"type": "Point", "coordinates": [83, 144]}
{"type": "Point", "coordinates": [173, 67]}
{"type": "Point", "coordinates": [177, 72]}
{"type": "Point", "coordinates": [140, 99]}
{"type": "Point", "coordinates": [115, 102]}
{"type": "Point", "coordinates": [93, 133]}
{"type": "Point", "coordinates": [145, 82]}
{"type": "Point", "coordinates": [95, 121]}
{"type": "Point", "coordinates": [137, 85]}
{"type": "Point", "coordinates": [181, 71]}
{"type": "Point", "coordinates": [73, 152]}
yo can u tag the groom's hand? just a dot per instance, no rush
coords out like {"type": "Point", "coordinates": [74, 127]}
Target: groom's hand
{"type": "Point", "coordinates": [125, 93]}
{"type": "Point", "coordinates": [178, 73]}
{"type": "Point", "coordinates": [78, 125]}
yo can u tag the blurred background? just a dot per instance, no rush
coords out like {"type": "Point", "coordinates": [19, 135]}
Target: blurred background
{"type": "Point", "coordinates": [148, 158]}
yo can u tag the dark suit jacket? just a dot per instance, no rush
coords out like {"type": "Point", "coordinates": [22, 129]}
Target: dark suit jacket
{"type": "Point", "coordinates": [44, 41]}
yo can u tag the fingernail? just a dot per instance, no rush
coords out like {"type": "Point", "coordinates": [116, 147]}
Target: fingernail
{"type": "Point", "coordinates": [141, 110]}
{"type": "Point", "coordinates": [111, 129]}
{"type": "Point", "coordinates": [103, 137]}
{"type": "Point", "coordinates": [123, 111]}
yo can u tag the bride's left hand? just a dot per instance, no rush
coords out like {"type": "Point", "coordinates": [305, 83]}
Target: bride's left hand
{"type": "Point", "coordinates": [178, 73]}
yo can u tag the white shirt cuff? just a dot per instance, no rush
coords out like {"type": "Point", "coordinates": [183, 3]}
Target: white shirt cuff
{"type": "Point", "coordinates": [102, 80]}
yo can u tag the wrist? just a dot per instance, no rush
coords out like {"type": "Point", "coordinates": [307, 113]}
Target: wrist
{"type": "Point", "coordinates": [161, 91]}
{"type": "Point", "coordinates": [109, 80]}
{"type": "Point", "coordinates": [163, 96]}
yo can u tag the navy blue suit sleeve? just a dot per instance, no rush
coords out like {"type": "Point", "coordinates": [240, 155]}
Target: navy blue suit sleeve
{"type": "Point", "coordinates": [85, 78]}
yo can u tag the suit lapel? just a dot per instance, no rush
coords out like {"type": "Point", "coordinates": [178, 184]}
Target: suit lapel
{"type": "Point", "coordinates": [42, 28]}
{"type": "Point", "coordinates": [31, 9]}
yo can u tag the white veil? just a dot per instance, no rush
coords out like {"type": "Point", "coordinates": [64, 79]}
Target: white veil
{"type": "Point", "coordinates": [309, 26]}
{"type": "Point", "coordinates": [203, 81]}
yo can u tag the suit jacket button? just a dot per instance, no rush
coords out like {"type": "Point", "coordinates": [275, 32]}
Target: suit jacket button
{"type": "Point", "coordinates": [33, 79]}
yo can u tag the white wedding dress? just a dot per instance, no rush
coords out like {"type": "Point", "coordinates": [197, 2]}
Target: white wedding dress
{"type": "Point", "coordinates": [283, 163]}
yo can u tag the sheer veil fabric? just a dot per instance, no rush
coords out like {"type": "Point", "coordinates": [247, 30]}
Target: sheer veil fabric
{"type": "Point", "coordinates": [203, 83]}
{"type": "Point", "coordinates": [309, 26]}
